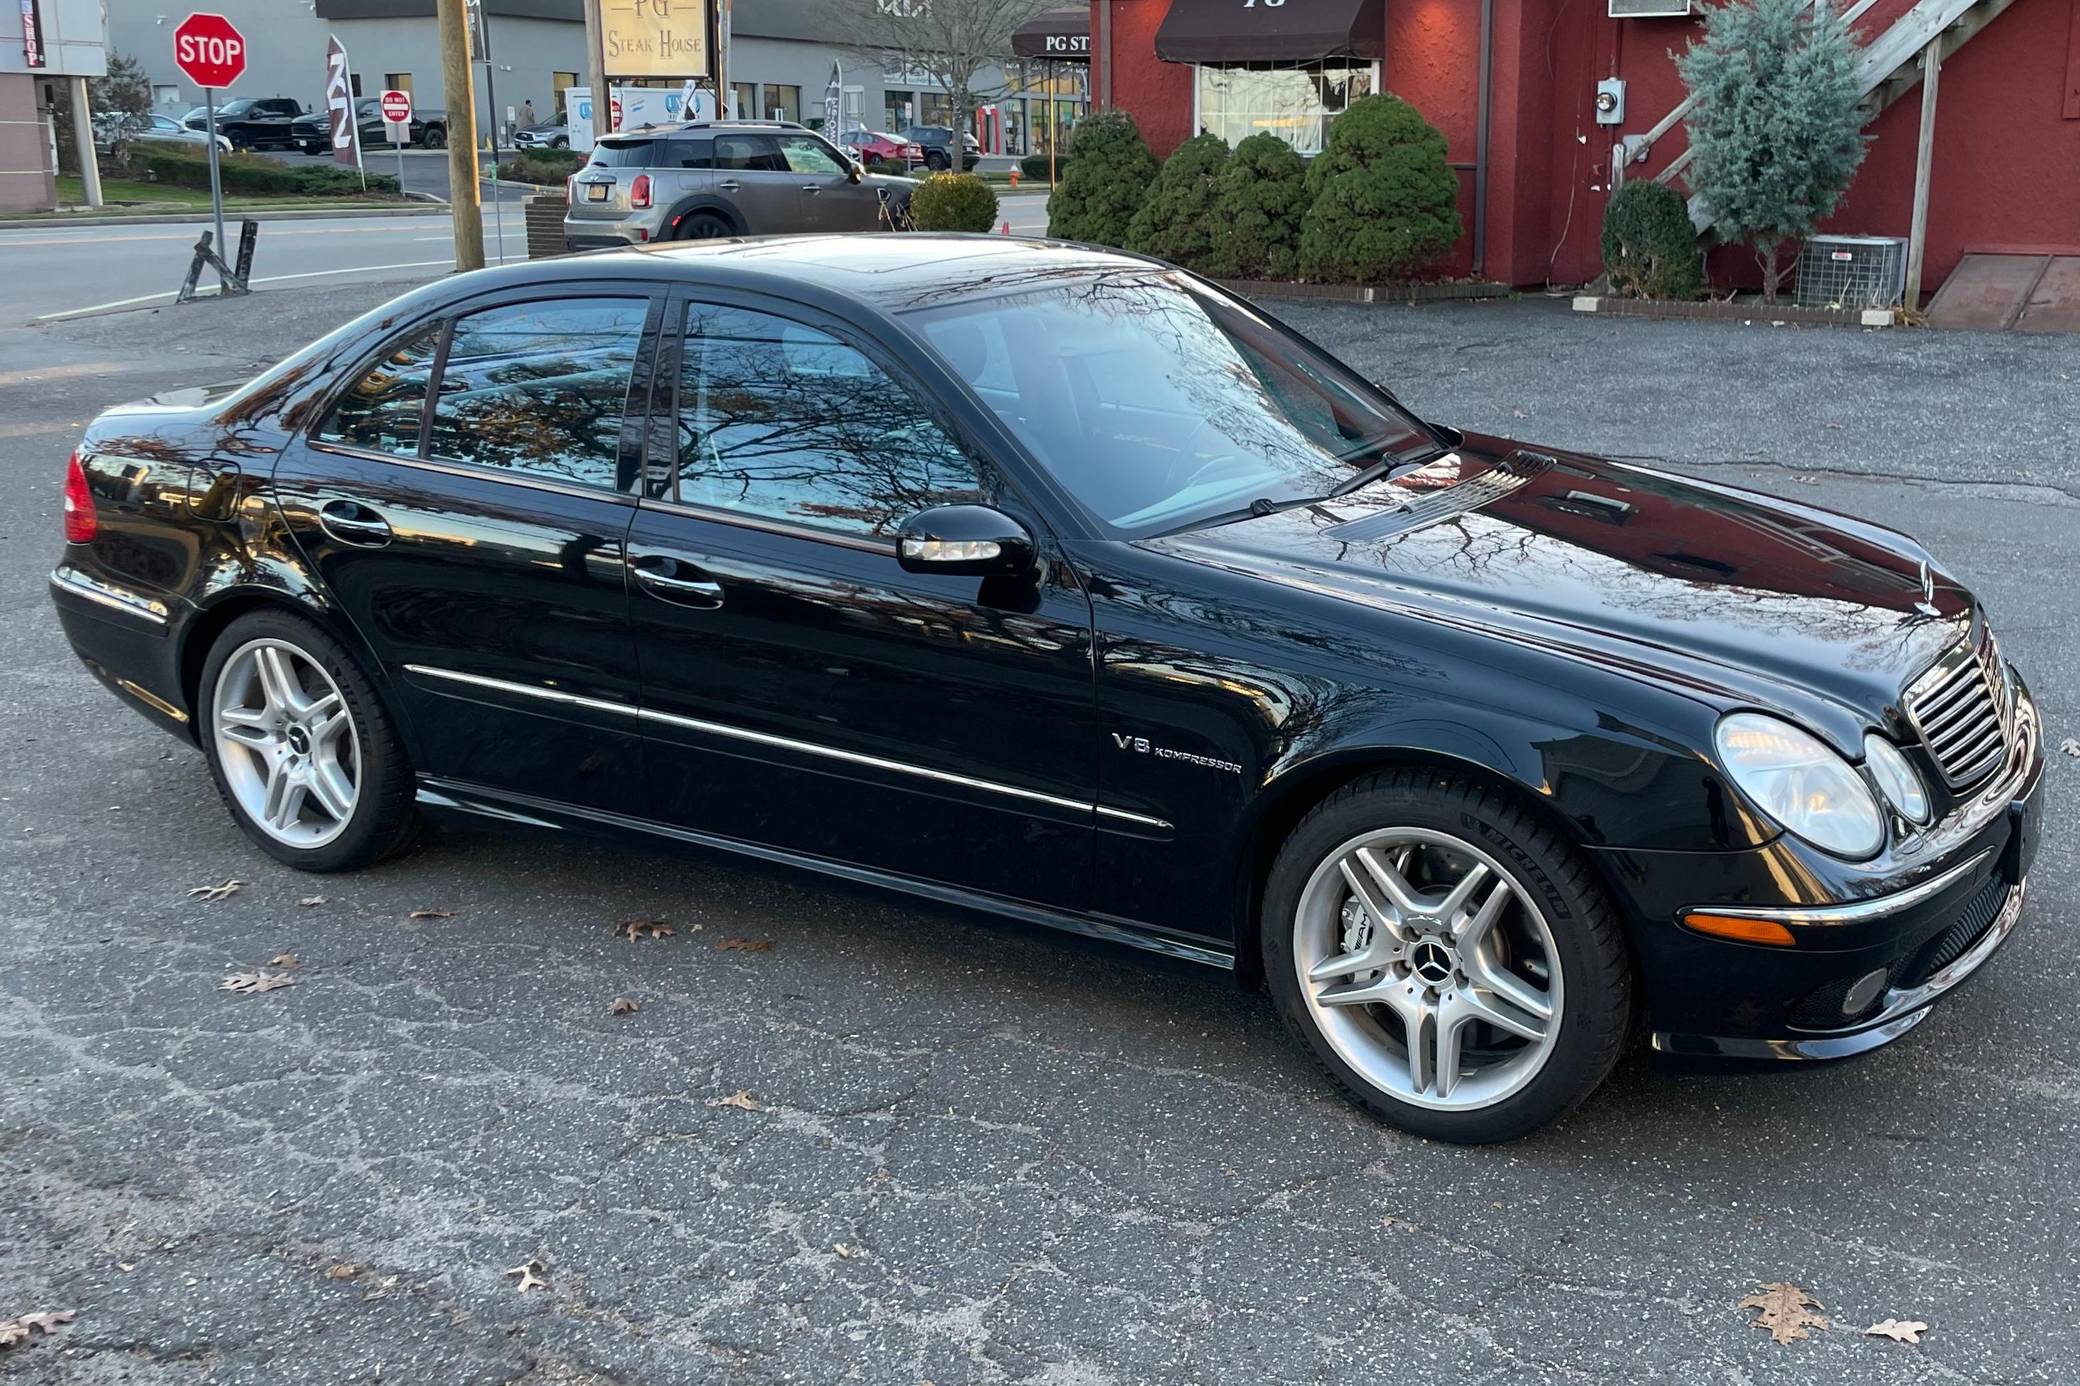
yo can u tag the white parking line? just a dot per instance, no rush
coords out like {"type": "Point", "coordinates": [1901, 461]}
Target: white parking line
{"type": "Point", "coordinates": [271, 279]}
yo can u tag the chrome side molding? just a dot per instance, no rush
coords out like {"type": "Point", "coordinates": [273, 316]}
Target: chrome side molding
{"type": "Point", "coordinates": [109, 595]}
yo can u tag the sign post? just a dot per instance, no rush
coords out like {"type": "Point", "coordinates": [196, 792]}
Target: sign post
{"type": "Point", "coordinates": [397, 124]}
{"type": "Point", "coordinates": [211, 53]}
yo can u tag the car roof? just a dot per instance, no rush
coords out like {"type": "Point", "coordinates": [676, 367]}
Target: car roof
{"type": "Point", "coordinates": [888, 271]}
{"type": "Point", "coordinates": [680, 127]}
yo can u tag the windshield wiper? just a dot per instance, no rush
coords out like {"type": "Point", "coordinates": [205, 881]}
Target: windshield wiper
{"type": "Point", "coordinates": [1383, 469]}
{"type": "Point", "coordinates": [1265, 505]}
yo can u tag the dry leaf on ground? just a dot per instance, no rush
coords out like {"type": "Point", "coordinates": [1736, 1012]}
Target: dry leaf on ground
{"type": "Point", "coordinates": [2070, 746]}
{"type": "Point", "coordinates": [530, 1272]}
{"type": "Point", "coordinates": [252, 983]}
{"type": "Point", "coordinates": [1899, 1330]}
{"type": "Point", "coordinates": [219, 891]}
{"type": "Point", "coordinates": [307, 901]}
{"type": "Point", "coordinates": [745, 945]}
{"type": "Point", "coordinates": [46, 1321]}
{"type": "Point", "coordinates": [740, 1099]}
{"type": "Point", "coordinates": [288, 960]}
{"type": "Point", "coordinates": [848, 1252]}
{"type": "Point", "coordinates": [1784, 1309]}
{"type": "Point", "coordinates": [623, 1005]}
{"type": "Point", "coordinates": [634, 929]}
{"type": "Point", "coordinates": [431, 914]}
{"type": "Point", "coordinates": [343, 1271]}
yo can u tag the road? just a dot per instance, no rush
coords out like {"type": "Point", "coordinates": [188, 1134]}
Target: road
{"type": "Point", "coordinates": [971, 1153]}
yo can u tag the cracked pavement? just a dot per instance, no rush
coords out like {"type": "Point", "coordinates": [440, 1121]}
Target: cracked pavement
{"type": "Point", "coordinates": [980, 1154]}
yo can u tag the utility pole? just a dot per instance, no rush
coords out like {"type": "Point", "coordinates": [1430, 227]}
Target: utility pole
{"type": "Point", "coordinates": [722, 24]}
{"type": "Point", "coordinates": [596, 69]}
{"type": "Point", "coordinates": [465, 196]}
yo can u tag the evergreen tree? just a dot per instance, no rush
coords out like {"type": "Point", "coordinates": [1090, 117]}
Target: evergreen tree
{"type": "Point", "coordinates": [1259, 199]}
{"type": "Point", "coordinates": [1649, 246]}
{"type": "Point", "coordinates": [1110, 170]}
{"type": "Point", "coordinates": [1177, 223]}
{"type": "Point", "coordinates": [1383, 198]}
{"type": "Point", "coordinates": [1777, 130]}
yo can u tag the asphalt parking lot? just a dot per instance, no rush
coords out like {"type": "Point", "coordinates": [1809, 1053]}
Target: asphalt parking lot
{"type": "Point", "coordinates": [900, 1144]}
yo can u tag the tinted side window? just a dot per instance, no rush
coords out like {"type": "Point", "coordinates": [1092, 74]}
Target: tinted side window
{"type": "Point", "coordinates": [539, 389]}
{"type": "Point", "coordinates": [382, 410]}
{"type": "Point", "coordinates": [780, 420]}
{"type": "Point", "coordinates": [749, 154]}
{"type": "Point", "coordinates": [689, 154]}
{"type": "Point", "coordinates": [808, 154]}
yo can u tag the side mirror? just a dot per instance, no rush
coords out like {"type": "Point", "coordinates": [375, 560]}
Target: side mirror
{"type": "Point", "coordinates": [967, 540]}
{"type": "Point", "coordinates": [856, 171]}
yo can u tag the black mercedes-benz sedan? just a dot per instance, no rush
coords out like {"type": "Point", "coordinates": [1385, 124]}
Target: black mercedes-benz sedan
{"type": "Point", "coordinates": [1063, 584]}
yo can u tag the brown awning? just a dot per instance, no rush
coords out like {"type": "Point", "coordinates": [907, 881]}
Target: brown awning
{"type": "Point", "coordinates": [1299, 31]}
{"type": "Point", "coordinates": [1062, 36]}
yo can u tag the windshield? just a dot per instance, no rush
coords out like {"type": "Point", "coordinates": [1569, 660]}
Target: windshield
{"type": "Point", "coordinates": [237, 107]}
{"type": "Point", "coordinates": [1160, 404]}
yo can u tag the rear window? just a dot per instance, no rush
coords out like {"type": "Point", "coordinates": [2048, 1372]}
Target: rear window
{"type": "Point", "coordinates": [625, 154]}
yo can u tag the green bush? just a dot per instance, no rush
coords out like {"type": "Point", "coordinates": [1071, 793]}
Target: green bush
{"type": "Point", "coordinates": [542, 167]}
{"type": "Point", "coordinates": [953, 202]}
{"type": "Point", "coordinates": [1033, 167]}
{"type": "Point", "coordinates": [183, 166]}
{"type": "Point", "coordinates": [1382, 197]}
{"type": "Point", "coordinates": [1176, 222]}
{"type": "Point", "coordinates": [1110, 170]}
{"type": "Point", "coordinates": [889, 168]}
{"type": "Point", "coordinates": [1649, 246]}
{"type": "Point", "coordinates": [1258, 201]}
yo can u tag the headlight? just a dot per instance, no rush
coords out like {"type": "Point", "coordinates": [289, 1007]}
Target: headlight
{"type": "Point", "coordinates": [1896, 779]}
{"type": "Point", "coordinates": [1794, 778]}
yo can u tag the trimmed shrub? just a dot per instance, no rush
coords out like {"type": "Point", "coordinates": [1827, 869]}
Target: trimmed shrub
{"type": "Point", "coordinates": [183, 166]}
{"type": "Point", "coordinates": [1258, 202]}
{"type": "Point", "coordinates": [542, 167]}
{"type": "Point", "coordinates": [1176, 221]}
{"type": "Point", "coordinates": [889, 168]}
{"type": "Point", "coordinates": [1382, 197]}
{"type": "Point", "coordinates": [953, 202]}
{"type": "Point", "coordinates": [1110, 170]}
{"type": "Point", "coordinates": [1649, 246]}
{"type": "Point", "coordinates": [1034, 167]}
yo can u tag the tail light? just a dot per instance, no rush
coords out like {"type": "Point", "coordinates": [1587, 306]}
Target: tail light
{"type": "Point", "coordinates": [570, 191]}
{"type": "Point", "coordinates": [639, 191]}
{"type": "Point", "coordinates": [79, 505]}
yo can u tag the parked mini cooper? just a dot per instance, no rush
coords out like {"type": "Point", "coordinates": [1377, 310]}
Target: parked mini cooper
{"type": "Point", "coordinates": [1063, 584]}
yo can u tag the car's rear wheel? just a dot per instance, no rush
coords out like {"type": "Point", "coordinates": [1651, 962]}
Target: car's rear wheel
{"type": "Point", "coordinates": [1452, 963]}
{"type": "Point", "coordinates": [704, 226]}
{"type": "Point", "coordinates": [302, 749]}
{"type": "Point", "coordinates": [937, 162]}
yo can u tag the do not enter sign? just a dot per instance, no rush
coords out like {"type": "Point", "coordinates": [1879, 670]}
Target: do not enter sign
{"type": "Point", "coordinates": [209, 51]}
{"type": "Point", "coordinates": [397, 106]}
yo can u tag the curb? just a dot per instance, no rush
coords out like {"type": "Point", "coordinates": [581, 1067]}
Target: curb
{"type": "Point", "coordinates": [230, 215]}
{"type": "Point", "coordinates": [1417, 292]}
{"type": "Point", "coordinates": [1719, 311]}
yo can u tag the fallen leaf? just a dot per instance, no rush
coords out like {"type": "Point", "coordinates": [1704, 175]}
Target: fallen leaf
{"type": "Point", "coordinates": [343, 1271]}
{"type": "Point", "coordinates": [431, 914]}
{"type": "Point", "coordinates": [848, 1252]}
{"type": "Point", "coordinates": [634, 929]}
{"type": "Point", "coordinates": [623, 1005]}
{"type": "Point", "coordinates": [252, 983]}
{"type": "Point", "coordinates": [740, 1099]}
{"type": "Point", "coordinates": [307, 901]}
{"type": "Point", "coordinates": [745, 945]}
{"type": "Point", "coordinates": [2071, 747]}
{"type": "Point", "coordinates": [1783, 1309]}
{"type": "Point", "coordinates": [46, 1321]}
{"type": "Point", "coordinates": [530, 1273]}
{"type": "Point", "coordinates": [1899, 1330]}
{"type": "Point", "coordinates": [288, 960]}
{"type": "Point", "coordinates": [219, 891]}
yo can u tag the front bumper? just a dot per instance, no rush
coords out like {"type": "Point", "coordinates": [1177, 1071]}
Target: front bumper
{"type": "Point", "coordinates": [1875, 946]}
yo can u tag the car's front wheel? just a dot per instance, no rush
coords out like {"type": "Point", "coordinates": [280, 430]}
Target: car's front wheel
{"type": "Point", "coordinates": [302, 749]}
{"type": "Point", "coordinates": [435, 137]}
{"type": "Point", "coordinates": [1451, 961]}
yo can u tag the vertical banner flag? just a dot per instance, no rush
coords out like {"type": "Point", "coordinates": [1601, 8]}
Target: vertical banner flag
{"type": "Point", "coordinates": [339, 102]}
{"type": "Point", "coordinates": [833, 104]}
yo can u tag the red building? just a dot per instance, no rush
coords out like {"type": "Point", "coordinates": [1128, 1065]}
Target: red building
{"type": "Point", "coordinates": [2005, 173]}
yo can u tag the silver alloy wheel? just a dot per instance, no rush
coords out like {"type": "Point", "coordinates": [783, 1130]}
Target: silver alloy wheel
{"type": "Point", "coordinates": [287, 743]}
{"type": "Point", "coordinates": [1428, 969]}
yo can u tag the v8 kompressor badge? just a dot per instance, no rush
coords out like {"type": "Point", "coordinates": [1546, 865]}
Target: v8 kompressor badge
{"type": "Point", "coordinates": [1141, 745]}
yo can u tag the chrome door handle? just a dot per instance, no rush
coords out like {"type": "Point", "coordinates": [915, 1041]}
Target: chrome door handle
{"type": "Point", "coordinates": [812, 187]}
{"type": "Point", "coordinates": [675, 580]}
{"type": "Point", "coordinates": [351, 522]}
{"type": "Point", "coordinates": [729, 185]}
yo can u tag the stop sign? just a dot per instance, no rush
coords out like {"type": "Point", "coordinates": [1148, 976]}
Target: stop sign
{"type": "Point", "coordinates": [397, 106]}
{"type": "Point", "coordinates": [209, 51]}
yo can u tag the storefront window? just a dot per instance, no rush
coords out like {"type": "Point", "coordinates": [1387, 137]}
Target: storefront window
{"type": "Point", "coordinates": [935, 108]}
{"type": "Point", "coordinates": [896, 107]}
{"type": "Point", "coordinates": [1294, 103]}
{"type": "Point", "coordinates": [783, 103]}
{"type": "Point", "coordinates": [743, 96]}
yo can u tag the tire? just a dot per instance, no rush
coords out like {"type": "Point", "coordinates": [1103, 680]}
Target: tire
{"type": "Point", "coordinates": [245, 729]}
{"type": "Point", "coordinates": [937, 162]}
{"type": "Point", "coordinates": [559, 143]}
{"type": "Point", "coordinates": [704, 226]}
{"type": "Point", "coordinates": [1434, 830]}
{"type": "Point", "coordinates": [436, 137]}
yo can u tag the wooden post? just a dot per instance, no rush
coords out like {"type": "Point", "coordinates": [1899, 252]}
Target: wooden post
{"type": "Point", "coordinates": [465, 195]}
{"type": "Point", "coordinates": [596, 71]}
{"type": "Point", "coordinates": [1924, 153]}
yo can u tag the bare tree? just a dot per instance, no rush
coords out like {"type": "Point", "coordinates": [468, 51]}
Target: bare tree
{"type": "Point", "coordinates": [953, 42]}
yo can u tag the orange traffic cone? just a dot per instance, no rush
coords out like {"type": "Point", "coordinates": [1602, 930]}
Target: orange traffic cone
{"type": "Point", "coordinates": [1007, 229]}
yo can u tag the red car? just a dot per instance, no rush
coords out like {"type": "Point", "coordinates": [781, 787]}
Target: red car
{"type": "Point", "coordinates": [870, 146]}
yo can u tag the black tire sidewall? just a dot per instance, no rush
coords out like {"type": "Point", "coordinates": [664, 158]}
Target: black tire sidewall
{"type": "Point", "coordinates": [1596, 974]}
{"type": "Point", "coordinates": [383, 810]}
{"type": "Point", "coordinates": [695, 219]}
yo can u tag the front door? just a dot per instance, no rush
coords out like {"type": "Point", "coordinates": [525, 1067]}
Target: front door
{"type": "Point", "coordinates": [804, 692]}
{"type": "Point", "coordinates": [831, 201]}
{"type": "Point", "coordinates": [480, 550]}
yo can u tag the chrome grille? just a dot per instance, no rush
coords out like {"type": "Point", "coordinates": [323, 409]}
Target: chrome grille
{"type": "Point", "coordinates": [1960, 709]}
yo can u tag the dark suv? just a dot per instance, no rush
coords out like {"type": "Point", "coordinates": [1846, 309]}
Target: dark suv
{"type": "Point", "coordinates": [937, 143]}
{"type": "Point", "coordinates": [703, 179]}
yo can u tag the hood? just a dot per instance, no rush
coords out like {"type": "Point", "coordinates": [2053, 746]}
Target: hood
{"type": "Point", "coordinates": [891, 181]}
{"type": "Point", "coordinates": [1742, 598]}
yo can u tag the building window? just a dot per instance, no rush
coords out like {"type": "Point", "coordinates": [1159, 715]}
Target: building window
{"type": "Point", "coordinates": [783, 102]}
{"type": "Point", "coordinates": [166, 96]}
{"type": "Point", "coordinates": [898, 110]}
{"type": "Point", "coordinates": [743, 100]}
{"type": "Point", "coordinates": [1294, 103]}
{"type": "Point", "coordinates": [398, 81]}
{"type": "Point", "coordinates": [935, 108]}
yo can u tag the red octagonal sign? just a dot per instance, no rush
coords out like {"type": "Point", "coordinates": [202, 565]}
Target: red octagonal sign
{"type": "Point", "coordinates": [209, 51]}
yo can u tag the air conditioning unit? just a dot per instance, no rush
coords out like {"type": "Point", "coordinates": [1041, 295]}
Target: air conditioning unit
{"type": "Point", "coordinates": [1852, 272]}
{"type": "Point", "coordinates": [1649, 9]}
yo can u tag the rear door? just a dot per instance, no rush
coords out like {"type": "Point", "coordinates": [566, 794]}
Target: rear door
{"type": "Point", "coordinates": [479, 545]}
{"type": "Point", "coordinates": [751, 174]}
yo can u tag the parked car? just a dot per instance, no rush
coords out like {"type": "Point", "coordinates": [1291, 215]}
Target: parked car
{"type": "Point", "coordinates": [313, 130]}
{"type": "Point", "coordinates": [873, 146]}
{"type": "Point", "coordinates": [553, 135]}
{"type": "Point", "coordinates": [1055, 582]}
{"type": "Point", "coordinates": [253, 122]}
{"type": "Point", "coordinates": [702, 179]}
{"type": "Point", "coordinates": [936, 141]}
{"type": "Point", "coordinates": [112, 129]}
